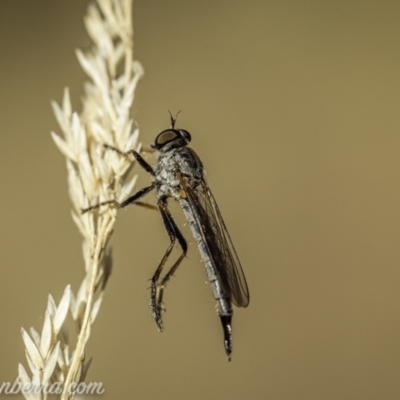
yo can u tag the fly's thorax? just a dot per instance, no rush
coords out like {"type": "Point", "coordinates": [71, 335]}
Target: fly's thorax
{"type": "Point", "coordinates": [176, 165]}
{"type": "Point", "coordinates": [166, 178]}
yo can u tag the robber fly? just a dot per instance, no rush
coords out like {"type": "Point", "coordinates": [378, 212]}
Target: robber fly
{"type": "Point", "coordinates": [179, 174]}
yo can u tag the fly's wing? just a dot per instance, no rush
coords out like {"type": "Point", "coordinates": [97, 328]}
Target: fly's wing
{"type": "Point", "coordinates": [218, 242]}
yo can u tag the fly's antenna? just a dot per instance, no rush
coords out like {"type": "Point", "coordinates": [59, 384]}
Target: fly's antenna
{"type": "Point", "coordinates": [173, 120]}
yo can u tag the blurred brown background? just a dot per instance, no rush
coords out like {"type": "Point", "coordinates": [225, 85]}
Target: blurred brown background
{"type": "Point", "coordinates": [294, 108]}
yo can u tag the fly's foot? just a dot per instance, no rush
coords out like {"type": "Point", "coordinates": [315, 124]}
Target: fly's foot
{"type": "Point", "coordinates": [156, 306]}
{"type": "Point", "coordinates": [156, 310]}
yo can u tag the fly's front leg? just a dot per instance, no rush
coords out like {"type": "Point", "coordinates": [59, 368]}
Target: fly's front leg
{"type": "Point", "coordinates": [142, 162]}
{"type": "Point", "coordinates": [157, 288]}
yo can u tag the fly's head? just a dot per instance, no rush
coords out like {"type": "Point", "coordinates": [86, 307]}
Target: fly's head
{"type": "Point", "coordinates": [171, 139]}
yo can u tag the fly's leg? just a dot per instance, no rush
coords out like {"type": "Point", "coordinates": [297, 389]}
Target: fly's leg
{"type": "Point", "coordinates": [156, 291]}
{"type": "Point", "coordinates": [142, 162]}
{"type": "Point", "coordinates": [130, 200]}
{"type": "Point", "coordinates": [146, 205]}
{"type": "Point", "coordinates": [156, 307]}
{"type": "Point", "coordinates": [184, 246]}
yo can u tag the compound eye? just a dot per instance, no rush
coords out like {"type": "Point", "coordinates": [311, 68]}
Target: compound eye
{"type": "Point", "coordinates": [166, 137]}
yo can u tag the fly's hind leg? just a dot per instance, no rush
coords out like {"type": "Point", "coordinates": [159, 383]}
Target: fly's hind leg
{"type": "Point", "coordinates": [157, 288]}
{"type": "Point", "coordinates": [184, 246]}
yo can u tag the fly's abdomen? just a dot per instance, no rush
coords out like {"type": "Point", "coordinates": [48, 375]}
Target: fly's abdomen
{"type": "Point", "coordinates": [224, 307]}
